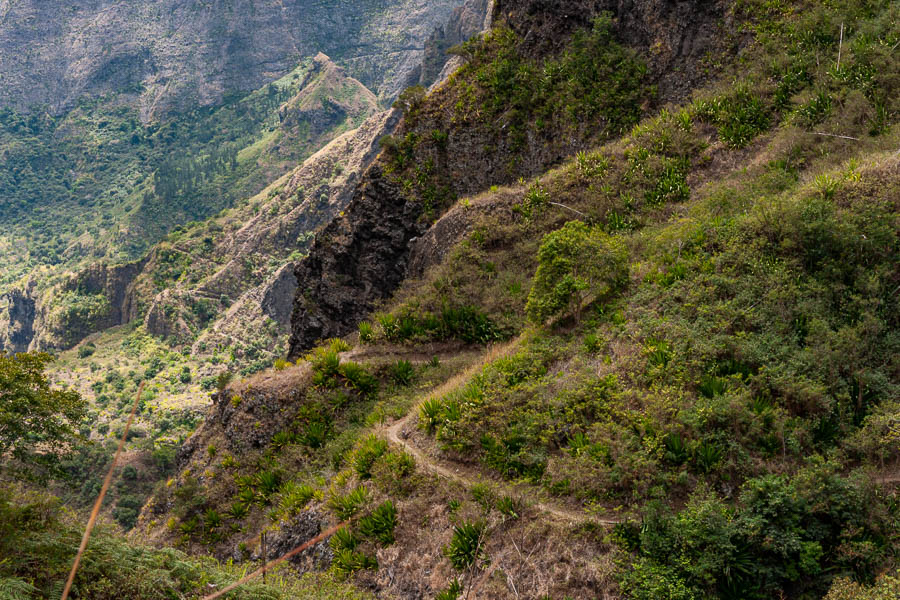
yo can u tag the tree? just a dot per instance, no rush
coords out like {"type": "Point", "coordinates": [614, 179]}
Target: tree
{"type": "Point", "coordinates": [35, 419]}
{"type": "Point", "coordinates": [575, 263]}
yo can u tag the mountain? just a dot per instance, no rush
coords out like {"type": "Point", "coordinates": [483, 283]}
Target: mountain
{"type": "Point", "coordinates": [177, 55]}
{"type": "Point", "coordinates": [100, 180]}
{"type": "Point", "coordinates": [607, 311]}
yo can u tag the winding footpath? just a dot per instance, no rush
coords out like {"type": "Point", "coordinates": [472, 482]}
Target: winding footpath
{"type": "Point", "coordinates": [395, 434]}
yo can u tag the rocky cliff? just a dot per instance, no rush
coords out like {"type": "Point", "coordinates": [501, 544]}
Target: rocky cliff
{"type": "Point", "coordinates": [358, 260]}
{"type": "Point", "coordinates": [178, 54]}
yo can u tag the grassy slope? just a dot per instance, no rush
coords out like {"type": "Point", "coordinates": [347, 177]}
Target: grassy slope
{"type": "Point", "coordinates": [98, 183]}
{"type": "Point", "coordinates": [734, 402]}
{"type": "Point", "coordinates": [750, 362]}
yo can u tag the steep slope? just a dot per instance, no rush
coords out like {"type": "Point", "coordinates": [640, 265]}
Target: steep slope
{"type": "Point", "coordinates": [497, 120]}
{"type": "Point", "coordinates": [664, 368]}
{"type": "Point", "coordinates": [169, 113]}
{"type": "Point", "coordinates": [322, 103]}
{"type": "Point", "coordinates": [177, 55]}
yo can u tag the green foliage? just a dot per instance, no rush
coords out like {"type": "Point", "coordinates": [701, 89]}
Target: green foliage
{"type": "Point", "coordinates": [294, 497]}
{"type": "Point", "coordinates": [453, 591]}
{"type": "Point", "coordinates": [402, 372]}
{"type": "Point", "coordinates": [13, 588]}
{"type": "Point", "coordinates": [369, 450]}
{"type": "Point", "coordinates": [887, 587]}
{"type": "Point", "coordinates": [343, 539]}
{"type": "Point", "coordinates": [366, 332]}
{"type": "Point", "coordinates": [35, 419]}
{"type": "Point", "coordinates": [380, 523]}
{"type": "Point", "coordinates": [349, 504]}
{"type": "Point", "coordinates": [739, 116]}
{"type": "Point", "coordinates": [575, 263]}
{"type": "Point", "coordinates": [783, 536]}
{"type": "Point", "coordinates": [467, 545]}
{"type": "Point", "coordinates": [267, 483]}
{"type": "Point", "coordinates": [465, 323]}
{"type": "Point", "coordinates": [346, 562]}
{"type": "Point", "coordinates": [430, 414]}
{"type": "Point", "coordinates": [38, 541]}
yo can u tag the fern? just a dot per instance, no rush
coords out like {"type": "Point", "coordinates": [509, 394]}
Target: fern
{"type": "Point", "coordinates": [13, 588]}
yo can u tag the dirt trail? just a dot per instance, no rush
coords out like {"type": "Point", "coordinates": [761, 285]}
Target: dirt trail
{"type": "Point", "coordinates": [461, 475]}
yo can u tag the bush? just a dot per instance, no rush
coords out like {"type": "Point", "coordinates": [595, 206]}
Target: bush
{"type": "Point", "coordinates": [295, 497]}
{"type": "Point", "coordinates": [575, 263]}
{"type": "Point", "coordinates": [368, 451]}
{"type": "Point", "coordinates": [739, 116]}
{"type": "Point", "coordinates": [453, 591]}
{"type": "Point", "coordinates": [402, 372]}
{"type": "Point", "coordinates": [467, 545]}
{"type": "Point", "coordinates": [431, 413]}
{"type": "Point", "coordinates": [347, 505]}
{"type": "Point", "coordinates": [346, 562]}
{"type": "Point", "coordinates": [380, 524]}
{"type": "Point", "coordinates": [366, 332]}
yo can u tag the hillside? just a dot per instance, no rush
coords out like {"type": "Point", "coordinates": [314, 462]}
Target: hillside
{"type": "Point", "coordinates": [178, 56]}
{"type": "Point", "coordinates": [609, 312]}
{"type": "Point", "coordinates": [666, 349]}
{"type": "Point", "coordinates": [116, 165]}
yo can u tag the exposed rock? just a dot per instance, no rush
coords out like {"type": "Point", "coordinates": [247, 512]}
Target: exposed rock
{"type": "Point", "coordinates": [278, 296]}
{"type": "Point", "coordinates": [466, 21]}
{"type": "Point", "coordinates": [18, 320]}
{"type": "Point", "coordinates": [356, 261]}
{"type": "Point", "coordinates": [361, 258]}
{"type": "Point", "coordinates": [63, 317]}
{"type": "Point", "coordinates": [672, 35]}
{"type": "Point", "coordinates": [175, 55]}
{"type": "Point", "coordinates": [294, 533]}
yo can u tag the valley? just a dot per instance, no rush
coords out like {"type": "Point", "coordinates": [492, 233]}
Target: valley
{"type": "Point", "coordinates": [600, 302]}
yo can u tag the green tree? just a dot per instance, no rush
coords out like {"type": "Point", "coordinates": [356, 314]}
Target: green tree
{"type": "Point", "coordinates": [35, 419]}
{"type": "Point", "coordinates": [575, 263]}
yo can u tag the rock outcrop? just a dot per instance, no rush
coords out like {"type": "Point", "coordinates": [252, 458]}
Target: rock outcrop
{"type": "Point", "coordinates": [17, 321]}
{"type": "Point", "coordinates": [360, 259]}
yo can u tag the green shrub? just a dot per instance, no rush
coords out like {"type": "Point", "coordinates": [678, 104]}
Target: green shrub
{"type": "Point", "coordinates": [347, 562]}
{"type": "Point", "coordinates": [707, 456]}
{"type": "Point", "coordinates": [467, 545]}
{"type": "Point", "coordinates": [13, 588]}
{"type": "Point", "coordinates": [739, 116]}
{"type": "Point", "coordinates": [316, 434]}
{"type": "Point", "coordinates": [369, 450]}
{"type": "Point", "coordinates": [239, 510]}
{"type": "Point", "coordinates": [402, 372]}
{"type": "Point", "coordinates": [453, 591]}
{"type": "Point", "coordinates": [431, 413]}
{"type": "Point", "coordinates": [295, 496]}
{"type": "Point", "coordinates": [267, 484]}
{"type": "Point", "coordinates": [283, 439]}
{"type": "Point", "coordinates": [280, 364]}
{"type": "Point", "coordinates": [347, 505]}
{"type": "Point", "coordinates": [359, 378]}
{"type": "Point", "coordinates": [366, 332]}
{"type": "Point", "coordinates": [508, 507]}
{"type": "Point", "coordinates": [380, 523]}
{"type": "Point", "coordinates": [343, 539]}
{"type": "Point", "coordinates": [575, 263]}
{"type": "Point", "coordinates": [223, 379]}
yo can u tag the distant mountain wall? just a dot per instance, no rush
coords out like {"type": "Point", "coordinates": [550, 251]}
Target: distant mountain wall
{"type": "Point", "coordinates": [178, 54]}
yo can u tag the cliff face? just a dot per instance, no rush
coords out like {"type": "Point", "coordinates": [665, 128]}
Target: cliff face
{"type": "Point", "coordinates": [18, 321]}
{"type": "Point", "coordinates": [177, 54]}
{"type": "Point", "coordinates": [674, 37]}
{"type": "Point", "coordinates": [358, 260]}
